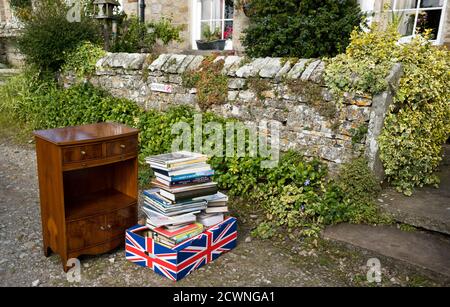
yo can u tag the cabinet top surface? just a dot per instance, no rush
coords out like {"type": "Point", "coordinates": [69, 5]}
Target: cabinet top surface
{"type": "Point", "coordinates": [85, 133]}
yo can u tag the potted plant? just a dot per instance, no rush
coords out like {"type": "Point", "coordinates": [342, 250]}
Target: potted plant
{"type": "Point", "coordinates": [212, 40]}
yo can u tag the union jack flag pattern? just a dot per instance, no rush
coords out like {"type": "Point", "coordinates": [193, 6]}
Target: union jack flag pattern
{"type": "Point", "coordinates": [179, 261]}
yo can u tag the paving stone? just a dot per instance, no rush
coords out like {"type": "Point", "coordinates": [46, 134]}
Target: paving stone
{"type": "Point", "coordinates": [425, 250]}
{"type": "Point", "coordinates": [428, 207]}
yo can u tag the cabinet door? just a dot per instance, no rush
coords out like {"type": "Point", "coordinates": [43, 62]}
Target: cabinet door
{"type": "Point", "coordinates": [118, 221]}
{"type": "Point", "coordinates": [86, 232]}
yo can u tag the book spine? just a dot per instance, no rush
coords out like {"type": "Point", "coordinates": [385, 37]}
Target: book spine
{"type": "Point", "coordinates": [157, 199]}
{"type": "Point", "coordinates": [203, 179]}
{"type": "Point", "coordinates": [194, 193]}
{"type": "Point", "coordinates": [191, 176]}
{"type": "Point", "coordinates": [188, 236]}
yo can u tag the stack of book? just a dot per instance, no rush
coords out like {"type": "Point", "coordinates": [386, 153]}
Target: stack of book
{"type": "Point", "coordinates": [183, 199]}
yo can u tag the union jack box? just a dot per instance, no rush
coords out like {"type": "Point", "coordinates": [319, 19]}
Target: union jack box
{"type": "Point", "coordinates": [178, 262]}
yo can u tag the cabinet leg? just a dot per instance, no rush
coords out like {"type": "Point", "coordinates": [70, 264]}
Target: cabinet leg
{"type": "Point", "coordinates": [47, 251]}
{"type": "Point", "coordinates": [64, 263]}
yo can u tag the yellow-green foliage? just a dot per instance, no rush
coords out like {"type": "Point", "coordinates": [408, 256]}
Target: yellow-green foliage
{"type": "Point", "coordinates": [365, 64]}
{"type": "Point", "coordinates": [417, 123]}
{"type": "Point", "coordinates": [419, 120]}
{"type": "Point", "coordinates": [82, 60]}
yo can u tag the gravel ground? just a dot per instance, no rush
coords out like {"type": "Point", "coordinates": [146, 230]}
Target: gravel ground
{"type": "Point", "coordinates": [253, 263]}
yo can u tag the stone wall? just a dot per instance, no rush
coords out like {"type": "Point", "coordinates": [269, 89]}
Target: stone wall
{"type": "Point", "coordinates": [302, 125]}
{"type": "Point", "coordinates": [8, 50]}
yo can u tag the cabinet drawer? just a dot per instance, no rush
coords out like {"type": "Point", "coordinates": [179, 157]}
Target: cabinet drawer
{"type": "Point", "coordinates": [122, 146]}
{"type": "Point", "coordinates": [86, 232]}
{"type": "Point", "coordinates": [81, 153]}
{"type": "Point", "coordinates": [117, 222]}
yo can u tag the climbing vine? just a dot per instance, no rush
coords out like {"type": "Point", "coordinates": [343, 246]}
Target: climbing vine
{"type": "Point", "coordinates": [418, 121]}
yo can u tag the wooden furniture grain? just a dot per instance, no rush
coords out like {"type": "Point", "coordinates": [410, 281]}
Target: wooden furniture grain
{"type": "Point", "coordinates": [88, 187]}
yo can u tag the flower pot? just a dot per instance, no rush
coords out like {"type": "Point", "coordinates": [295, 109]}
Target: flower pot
{"type": "Point", "coordinates": [218, 44]}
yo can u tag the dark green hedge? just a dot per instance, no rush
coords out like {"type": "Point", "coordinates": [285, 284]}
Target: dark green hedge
{"type": "Point", "coordinates": [300, 28]}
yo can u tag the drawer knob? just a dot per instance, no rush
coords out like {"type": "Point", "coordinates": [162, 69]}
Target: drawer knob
{"type": "Point", "coordinates": [83, 152]}
{"type": "Point", "coordinates": [102, 227]}
{"type": "Point", "coordinates": [108, 226]}
{"type": "Point", "coordinates": [122, 146]}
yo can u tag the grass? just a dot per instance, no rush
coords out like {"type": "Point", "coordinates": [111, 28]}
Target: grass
{"type": "Point", "coordinates": [13, 131]}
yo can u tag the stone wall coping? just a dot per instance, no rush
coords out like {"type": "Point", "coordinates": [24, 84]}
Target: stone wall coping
{"type": "Point", "coordinates": [234, 66]}
{"type": "Point", "coordinates": [10, 28]}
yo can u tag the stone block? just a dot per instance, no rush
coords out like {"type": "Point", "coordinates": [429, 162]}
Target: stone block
{"type": "Point", "coordinates": [159, 62]}
{"type": "Point", "coordinates": [309, 70]}
{"type": "Point", "coordinates": [298, 69]}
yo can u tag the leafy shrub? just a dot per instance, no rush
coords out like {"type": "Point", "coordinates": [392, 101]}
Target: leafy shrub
{"type": "Point", "coordinates": [21, 8]}
{"type": "Point", "coordinates": [419, 120]}
{"type": "Point", "coordinates": [300, 28]}
{"type": "Point", "coordinates": [134, 36]}
{"type": "Point", "coordinates": [82, 60]}
{"type": "Point", "coordinates": [359, 188]}
{"type": "Point", "coordinates": [47, 35]}
{"type": "Point", "coordinates": [20, 4]}
{"type": "Point", "coordinates": [306, 205]}
{"type": "Point", "coordinates": [363, 68]}
{"type": "Point", "coordinates": [417, 123]}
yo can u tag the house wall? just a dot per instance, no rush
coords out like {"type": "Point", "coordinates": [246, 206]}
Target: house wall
{"type": "Point", "coordinates": [8, 31]}
{"type": "Point", "coordinates": [377, 6]}
{"type": "Point", "coordinates": [446, 35]}
{"type": "Point", "coordinates": [180, 11]}
{"type": "Point", "coordinates": [302, 127]}
{"type": "Point", "coordinates": [5, 11]}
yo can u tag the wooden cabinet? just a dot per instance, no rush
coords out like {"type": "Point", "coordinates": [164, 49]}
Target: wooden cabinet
{"type": "Point", "coordinates": [88, 187]}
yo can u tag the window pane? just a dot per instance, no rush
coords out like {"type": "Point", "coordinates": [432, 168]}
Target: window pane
{"type": "Point", "coordinates": [228, 31]}
{"type": "Point", "coordinates": [217, 9]}
{"type": "Point", "coordinates": [206, 9]}
{"type": "Point", "coordinates": [406, 4]}
{"type": "Point", "coordinates": [229, 9]}
{"type": "Point", "coordinates": [406, 26]}
{"type": "Point", "coordinates": [429, 20]}
{"type": "Point", "coordinates": [211, 30]}
{"type": "Point", "coordinates": [432, 3]}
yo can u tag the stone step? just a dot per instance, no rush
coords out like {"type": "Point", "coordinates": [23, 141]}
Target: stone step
{"type": "Point", "coordinates": [426, 250]}
{"type": "Point", "coordinates": [428, 207]}
{"type": "Point", "coordinates": [6, 73]}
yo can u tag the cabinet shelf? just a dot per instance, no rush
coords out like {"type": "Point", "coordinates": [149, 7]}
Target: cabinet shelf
{"type": "Point", "coordinates": [99, 202]}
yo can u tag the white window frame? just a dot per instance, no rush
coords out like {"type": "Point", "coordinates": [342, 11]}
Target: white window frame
{"type": "Point", "coordinates": [197, 22]}
{"type": "Point", "coordinates": [439, 35]}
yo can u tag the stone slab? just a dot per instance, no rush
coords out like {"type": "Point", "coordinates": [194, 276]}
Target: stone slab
{"type": "Point", "coordinates": [428, 207]}
{"type": "Point", "coordinates": [425, 250]}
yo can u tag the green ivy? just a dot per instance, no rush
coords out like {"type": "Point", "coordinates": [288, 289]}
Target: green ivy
{"type": "Point", "coordinates": [82, 60]}
{"type": "Point", "coordinates": [418, 122]}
